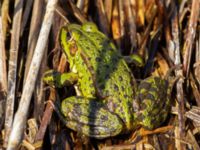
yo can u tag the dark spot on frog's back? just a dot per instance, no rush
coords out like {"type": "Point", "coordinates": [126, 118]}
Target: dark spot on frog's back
{"type": "Point", "coordinates": [141, 96]}
{"type": "Point", "coordinates": [112, 129]}
{"type": "Point", "coordinates": [140, 117]}
{"type": "Point", "coordinates": [107, 76]}
{"type": "Point", "coordinates": [77, 108]}
{"type": "Point", "coordinates": [106, 93]}
{"type": "Point", "coordinates": [93, 92]}
{"type": "Point", "coordinates": [116, 87]}
{"type": "Point", "coordinates": [104, 118]}
{"type": "Point", "coordinates": [119, 100]}
{"type": "Point", "coordinates": [150, 96]}
{"type": "Point", "coordinates": [145, 85]}
{"type": "Point", "coordinates": [91, 85]}
{"type": "Point", "coordinates": [120, 78]}
{"type": "Point", "coordinates": [76, 105]}
{"type": "Point", "coordinates": [153, 89]}
{"type": "Point", "coordinates": [107, 66]}
{"type": "Point", "coordinates": [90, 68]}
{"type": "Point", "coordinates": [90, 79]}
{"type": "Point", "coordinates": [115, 105]}
{"type": "Point", "coordinates": [157, 80]}
{"type": "Point", "coordinates": [106, 42]}
{"type": "Point", "coordinates": [122, 87]}
{"type": "Point", "coordinates": [115, 59]}
{"type": "Point", "coordinates": [95, 131]}
{"type": "Point", "coordinates": [102, 86]}
{"type": "Point", "coordinates": [98, 39]}
{"type": "Point", "coordinates": [121, 110]}
{"type": "Point", "coordinates": [87, 47]}
{"type": "Point", "coordinates": [125, 96]}
{"type": "Point", "coordinates": [98, 59]}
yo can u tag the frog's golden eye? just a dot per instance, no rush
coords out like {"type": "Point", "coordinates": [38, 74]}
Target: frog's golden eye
{"type": "Point", "coordinates": [68, 36]}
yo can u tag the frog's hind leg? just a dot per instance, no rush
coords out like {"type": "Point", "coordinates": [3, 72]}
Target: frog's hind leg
{"type": "Point", "coordinates": [90, 117]}
{"type": "Point", "coordinates": [154, 102]}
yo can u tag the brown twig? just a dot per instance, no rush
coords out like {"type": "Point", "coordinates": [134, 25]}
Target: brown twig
{"type": "Point", "coordinates": [177, 61]}
{"type": "Point", "coordinates": [3, 75]}
{"type": "Point", "coordinates": [104, 24]}
{"type": "Point", "coordinates": [131, 24]}
{"type": "Point", "coordinates": [191, 32]}
{"type": "Point", "coordinates": [5, 16]}
{"type": "Point", "coordinates": [12, 69]}
{"type": "Point", "coordinates": [108, 5]}
{"type": "Point", "coordinates": [115, 24]}
{"type": "Point", "coordinates": [35, 25]}
{"type": "Point", "coordinates": [3, 70]}
{"type": "Point", "coordinates": [49, 109]}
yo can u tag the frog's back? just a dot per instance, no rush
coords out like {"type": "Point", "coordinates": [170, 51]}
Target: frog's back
{"type": "Point", "coordinates": [109, 73]}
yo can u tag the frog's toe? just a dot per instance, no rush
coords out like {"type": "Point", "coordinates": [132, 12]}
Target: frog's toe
{"type": "Point", "coordinates": [154, 102]}
{"type": "Point", "coordinates": [90, 117]}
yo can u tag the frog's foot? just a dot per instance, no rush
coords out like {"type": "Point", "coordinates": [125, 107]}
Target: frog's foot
{"type": "Point", "coordinates": [154, 102]}
{"type": "Point", "coordinates": [90, 117]}
{"type": "Point", "coordinates": [57, 79]}
{"type": "Point", "coordinates": [134, 59]}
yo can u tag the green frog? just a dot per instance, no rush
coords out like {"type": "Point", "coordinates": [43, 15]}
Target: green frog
{"type": "Point", "coordinates": [108, 100]}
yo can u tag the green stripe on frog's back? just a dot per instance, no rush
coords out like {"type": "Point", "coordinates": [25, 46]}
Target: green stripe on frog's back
{"type": "Point", "coordinates": [95, 57]}
{"type": "Point", "coordinates": [88, 54]}
{"type": "Point", "coordinates": [114, 78]}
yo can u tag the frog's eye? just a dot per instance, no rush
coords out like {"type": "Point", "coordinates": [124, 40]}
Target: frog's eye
{"type": "Point", "coordinates": [89, 27]}
{"type": "Point", "coordinates": [68, 36]}
{"type": "Point", "coordinates": [65, 35]}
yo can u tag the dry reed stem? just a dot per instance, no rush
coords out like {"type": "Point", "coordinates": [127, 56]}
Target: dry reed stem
{"type": "Point", "coordinates": [21, 114]}
{"type": "Point", "coordinates": [12, 68]}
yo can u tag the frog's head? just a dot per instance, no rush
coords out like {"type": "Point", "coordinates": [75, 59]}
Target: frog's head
{"type": "Point", "coordinates": [69, 38]}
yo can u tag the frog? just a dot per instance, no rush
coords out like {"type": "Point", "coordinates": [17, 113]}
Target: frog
{"type": "Point", "coordinates": [109, 100]}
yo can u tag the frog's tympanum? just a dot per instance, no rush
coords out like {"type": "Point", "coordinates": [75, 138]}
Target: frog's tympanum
{"type": "Point", "coordinates": [108, 101]}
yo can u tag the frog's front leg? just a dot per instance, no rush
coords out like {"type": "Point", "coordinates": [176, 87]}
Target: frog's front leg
{"type": "Point", "coordinates": [90, 117]}
{"type": "Point", "coordinates": [57, 79]}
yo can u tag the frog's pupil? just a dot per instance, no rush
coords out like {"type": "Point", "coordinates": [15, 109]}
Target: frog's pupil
{"type": "Point", "coordinates": [68, 36]}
